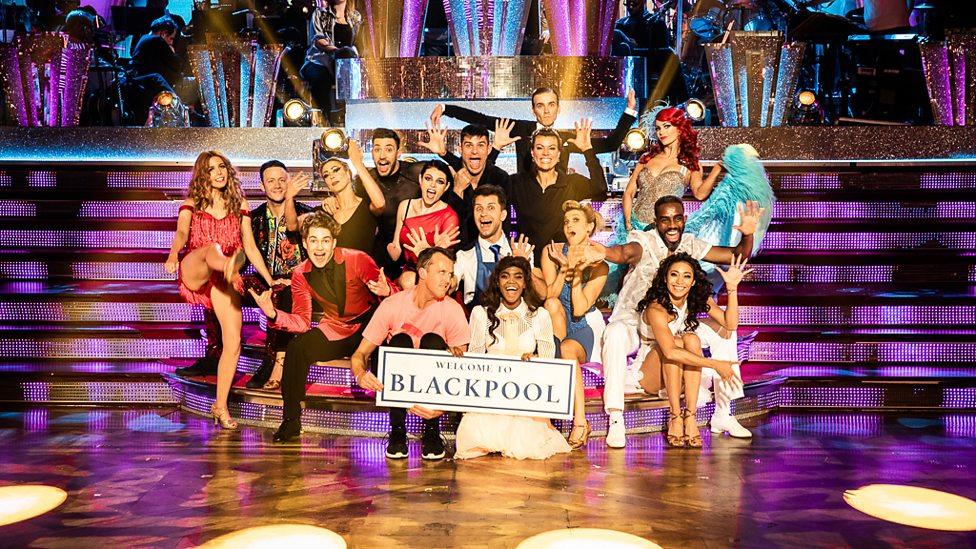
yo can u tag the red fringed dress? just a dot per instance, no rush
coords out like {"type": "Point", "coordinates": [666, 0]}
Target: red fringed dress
{"type": "Point", "coordinates": [206, 229]}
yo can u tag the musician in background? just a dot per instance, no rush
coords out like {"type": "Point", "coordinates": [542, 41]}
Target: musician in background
{"type": "Point", "coordinates": [888, 16]}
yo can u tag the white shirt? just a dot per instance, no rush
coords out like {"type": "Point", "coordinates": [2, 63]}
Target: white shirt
{"type": "Point", "coordinates": [518, 332]}
{"type": "Point", "coordinates": [641, 275]}
{"type": "Point", "coordinates": [466, 264]}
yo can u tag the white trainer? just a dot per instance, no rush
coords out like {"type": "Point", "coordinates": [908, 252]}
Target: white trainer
{"type": "Point", "coordinates": [616, 434]}
{"type": "Point", "coordinates": [729, 425]}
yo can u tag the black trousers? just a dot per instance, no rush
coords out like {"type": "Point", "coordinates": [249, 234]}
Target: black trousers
{"type": "Point", "coordinates": [278, 340]}
{"type": "Point", "coordinates": [434, 342]}
{"type": "Point", "coordinates": [303, 351]}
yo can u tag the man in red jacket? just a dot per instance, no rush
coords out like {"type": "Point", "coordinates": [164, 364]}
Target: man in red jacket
{"type": "Point", "coordinates": [347, 285]}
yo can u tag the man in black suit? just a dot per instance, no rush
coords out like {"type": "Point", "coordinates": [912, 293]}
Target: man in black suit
{"type": "Point", "coordinates": [545, 107]}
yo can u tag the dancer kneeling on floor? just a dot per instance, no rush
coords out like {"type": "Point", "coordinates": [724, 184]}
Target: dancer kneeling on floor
{"type": "Point", "coordinates": [670, 351]}
{"type": "Point", "coordinates": [573, 286]}
{"type": "Point", "coordinates": [511, 321]}
{"type": "Point", "coordinates": [422, 317]}
{"type": "Point", "coordinates": [345, 283]}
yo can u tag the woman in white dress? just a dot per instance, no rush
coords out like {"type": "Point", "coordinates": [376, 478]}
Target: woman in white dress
{"type": "Point", "coordinates": [511, 321]}
{"type": "Point", "coordinates": [670, 352]}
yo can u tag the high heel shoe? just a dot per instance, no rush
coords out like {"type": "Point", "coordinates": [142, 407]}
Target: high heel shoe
{"type": "Point", "coordinates": [674, 441]}
{"type": "Point", "coordinates": [272, 385]}
{"type": "Point", "coordinates": [690, 441]}
{"type": "Point", "coordinates": [578, 442]}
{"type": "Point", "coordinates": [222, 417]}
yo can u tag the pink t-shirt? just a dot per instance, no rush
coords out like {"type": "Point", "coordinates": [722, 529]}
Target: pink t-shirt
{"type": "Point", "coordinates": [399, 314]}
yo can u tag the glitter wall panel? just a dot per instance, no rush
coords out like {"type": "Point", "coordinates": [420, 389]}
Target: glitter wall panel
{"type": "Point", "coordinates": [487, 27]}
{"type": "Point", "coordinates": [580, 27]}
{"type": "Point", "coordinates": [950, 77]}
{"type": "Point", "coordinates": [754, 75]}
{"type": "Point", "coordinates": [44, 77]}
{"type": "Point", "coordinates": [482, 77]}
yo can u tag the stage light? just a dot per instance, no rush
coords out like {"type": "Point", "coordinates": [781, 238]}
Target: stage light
{"type": "Point", "coordinates": [333, 140]}
{"type": "Point", "coordinates": [589, 538]}
{"type": "Point", "coordinates": [914, 506]}
{"type": "Point", "coordinates": [806, 99]}
{"type": "Point", "coordinates": [694, 109]}
{"type": "Point", "coordinates": [293, 536]}
{"type": "Point", "coordinates": [297, 113]}
{"type": "Point", "coordinates": [807, 110]}
{"type": "Point", "coordinates": [167, 111]}
{"type": "Point", "coordinates": [19, 503]}
{"type": "Point", "coordinates": [636, 140]}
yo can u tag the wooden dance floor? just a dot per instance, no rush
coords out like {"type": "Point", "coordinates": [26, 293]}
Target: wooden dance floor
{"type": "Point", "coordinates": [163, 478]}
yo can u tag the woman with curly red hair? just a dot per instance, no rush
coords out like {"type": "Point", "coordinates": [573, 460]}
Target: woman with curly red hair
{"type": "Point", "coordinates": [214, 224]}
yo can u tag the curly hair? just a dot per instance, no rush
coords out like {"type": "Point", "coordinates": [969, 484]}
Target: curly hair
{"type": "Point", "coordinates": [688, 149]}
{"type": "Point", "coordinates": [491, 298]}
{"type": "Point", "coordinates": [320, 219]}
{"type": "Point", "coordinates": [200, 191]}
{"type": "Point", "coordinates": [697, 297]}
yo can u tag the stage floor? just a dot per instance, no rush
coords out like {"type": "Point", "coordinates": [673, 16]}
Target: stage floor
{"type": "Point", "coordinates": [163, 478]}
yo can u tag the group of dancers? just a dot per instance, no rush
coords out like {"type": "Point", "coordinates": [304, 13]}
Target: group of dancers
{"type": "Point", "coordinates": [418, 254]}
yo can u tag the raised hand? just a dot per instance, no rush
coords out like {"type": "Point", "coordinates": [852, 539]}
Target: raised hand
{"type": "Point", "coordinates": [296, 183]}
{"type": "Point", "coordinates": [631, 99]}
{"type": "Point", "coordinates": [331, 205]}
{"type": "Point", "coordinates": [735, 273]}
{"type": "Point", "coordinates": [264, 301]}
{"type": "Point", "coordinates": [447, 240]}
{"type": "Point", "coordinates": [522, 248]}
{"type": "Point", "coordinates": [436, 139]}
{"type": "Point", "coordinates": [582, 140]}
{"type": "Point", "coordinates": [555, 252]}
{"type": "Point", "coordinates": [503, 134]}
{"type": "Point", "coordinates": [749, 217]}
{"type": "Point", "coordinates": [435, 115]}
{"type": "Point", "coordinates": [380, 286]}
{"type": "Point", "coordinates": [417, 240]}
{"type": "Point", "coordinates": [462, 180]}
{"type": "Point", "coordinates": [593, 254]}
{"type": "Point", "coordinates": [355, 153]}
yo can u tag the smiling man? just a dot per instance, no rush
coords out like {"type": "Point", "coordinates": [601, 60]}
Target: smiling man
{"type": "Point", "coordinates": [344, 283]}
{"type": "Point", "coordinates": [644, 252]}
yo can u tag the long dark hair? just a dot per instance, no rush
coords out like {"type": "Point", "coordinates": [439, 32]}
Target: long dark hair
{"type": "Point", "coordinates": [697, 297]}
{"type": "Point", "coordinates": [491, 298]}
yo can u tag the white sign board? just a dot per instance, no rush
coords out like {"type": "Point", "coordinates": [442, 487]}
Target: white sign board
{"type": "Point", "coordinates": [492, 384]}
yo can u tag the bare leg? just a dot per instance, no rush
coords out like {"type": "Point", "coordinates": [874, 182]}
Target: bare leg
{"type": "Point", "coordinates": [672, 383]}
{"type": "Point", "coordinates": [558, 314]}
{"type": "Point", "coordinates": [572, 350]}
{"type": "Point", "coordinates": [198, 265]}
{"type": "Point", "coordinates": [278, 366]}
{"type": "Point", "coordinates": [692, 379]}
{"type": "Point", "coordinates": [227, 306]}
{"type": "Point", "coordinates": [653, 379]}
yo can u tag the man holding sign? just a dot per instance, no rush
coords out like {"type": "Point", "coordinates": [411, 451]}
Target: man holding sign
{"type": "Point", "coordinates": [419, 318]}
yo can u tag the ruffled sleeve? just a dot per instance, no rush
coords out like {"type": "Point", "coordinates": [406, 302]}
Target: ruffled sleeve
{"type": "Point", "coordinates": [478, 324]}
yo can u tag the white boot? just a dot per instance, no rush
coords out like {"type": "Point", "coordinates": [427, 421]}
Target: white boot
{"type": "Point", "coordinates": [616, 433]}
{"type": "Point", "coordinates": [724, 422]}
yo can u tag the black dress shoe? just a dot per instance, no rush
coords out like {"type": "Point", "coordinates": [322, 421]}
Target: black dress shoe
{"type": "Point", "coordinates": [206, 366]}
{"type": "Point", "coordinates": [289, 431]}
{"type": "Point", "coordinates": [262, 374]}
{"type": "Point", "coordinates": [396, 446]}
{"type": "Point", "coordinates": [431, 445]}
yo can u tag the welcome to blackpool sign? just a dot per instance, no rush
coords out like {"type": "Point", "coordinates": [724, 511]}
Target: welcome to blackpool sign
{"type": "Point", "coordinates": [492, 384]}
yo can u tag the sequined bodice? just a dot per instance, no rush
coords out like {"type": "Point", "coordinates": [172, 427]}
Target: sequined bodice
{"type": "Point", "coordinates": [650, 188]}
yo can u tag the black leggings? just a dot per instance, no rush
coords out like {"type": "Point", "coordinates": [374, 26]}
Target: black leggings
{"type": "Point", "coordinates": [303, 351]}
{"type": "Point", "coordinates": [434, 342]}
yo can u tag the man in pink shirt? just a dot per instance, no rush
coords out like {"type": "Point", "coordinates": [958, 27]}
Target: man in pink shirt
{"type": "Point", "coordinates": [420, 318]}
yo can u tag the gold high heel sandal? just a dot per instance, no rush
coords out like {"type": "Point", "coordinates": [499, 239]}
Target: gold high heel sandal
{"type": "Point", "coordinates": [222, 417]}
{"type": "Point", "coordinates": [577, 443]}
{"type": "Point", "coordinates": [674, 441]}
{"type": "Point", "coordinates": [690, 441]}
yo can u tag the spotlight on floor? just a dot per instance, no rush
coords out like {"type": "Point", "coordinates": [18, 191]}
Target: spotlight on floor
{"type": "Point", "coordinates": [694, 109]}
{"type": "Point", "coordinates": [914, 506]}
{"type": "Point", "coordinates": [293, 536]}
{"type": "Point", "coordinates": [297, 113]}
{"type": "Point", "coordinates": [19, 503]}
{"type": "Point", "coordinates": [167, 111]}
{"type": "Point", "coordinates": [635, 140]}
{"type": "Point", "coordinates": [589, 538]}
{"type": "Point", "coordinates": [333, 140]}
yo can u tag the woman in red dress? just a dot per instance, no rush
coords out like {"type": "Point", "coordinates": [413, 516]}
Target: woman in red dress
{"type": "Point", "coordinates": [425, 221]}
{"type": "Point", "coordinates": [214, 225]}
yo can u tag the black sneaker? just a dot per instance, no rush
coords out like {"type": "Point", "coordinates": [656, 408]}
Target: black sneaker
{"type": "Point", "coordinates": [202, 367]}
{"type": "Point", "coordinates": [431, 446]}
{"type": "Point", "coordinates": [396, 445]}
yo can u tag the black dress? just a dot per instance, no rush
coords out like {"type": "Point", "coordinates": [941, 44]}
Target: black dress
{"type": "Point", "coordinates": [359, 231]}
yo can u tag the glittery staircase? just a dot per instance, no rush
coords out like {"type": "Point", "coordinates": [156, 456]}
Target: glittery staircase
{"type": "Point", "coordinates": [863, 297]}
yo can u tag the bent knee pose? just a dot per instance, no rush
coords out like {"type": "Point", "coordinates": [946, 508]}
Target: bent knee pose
{"type": "Point", "coordinates": [215, 225]}
{"type": "Point", "coordinates": [670, 351]}
{"type": "Point", "coordinates": [572, 288]}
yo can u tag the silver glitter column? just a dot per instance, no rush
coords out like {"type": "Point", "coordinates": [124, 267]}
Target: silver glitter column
{"type": "Point", "coordinates": [237, 81]}
{"type": "Point", "coordinates": [44, 76]}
